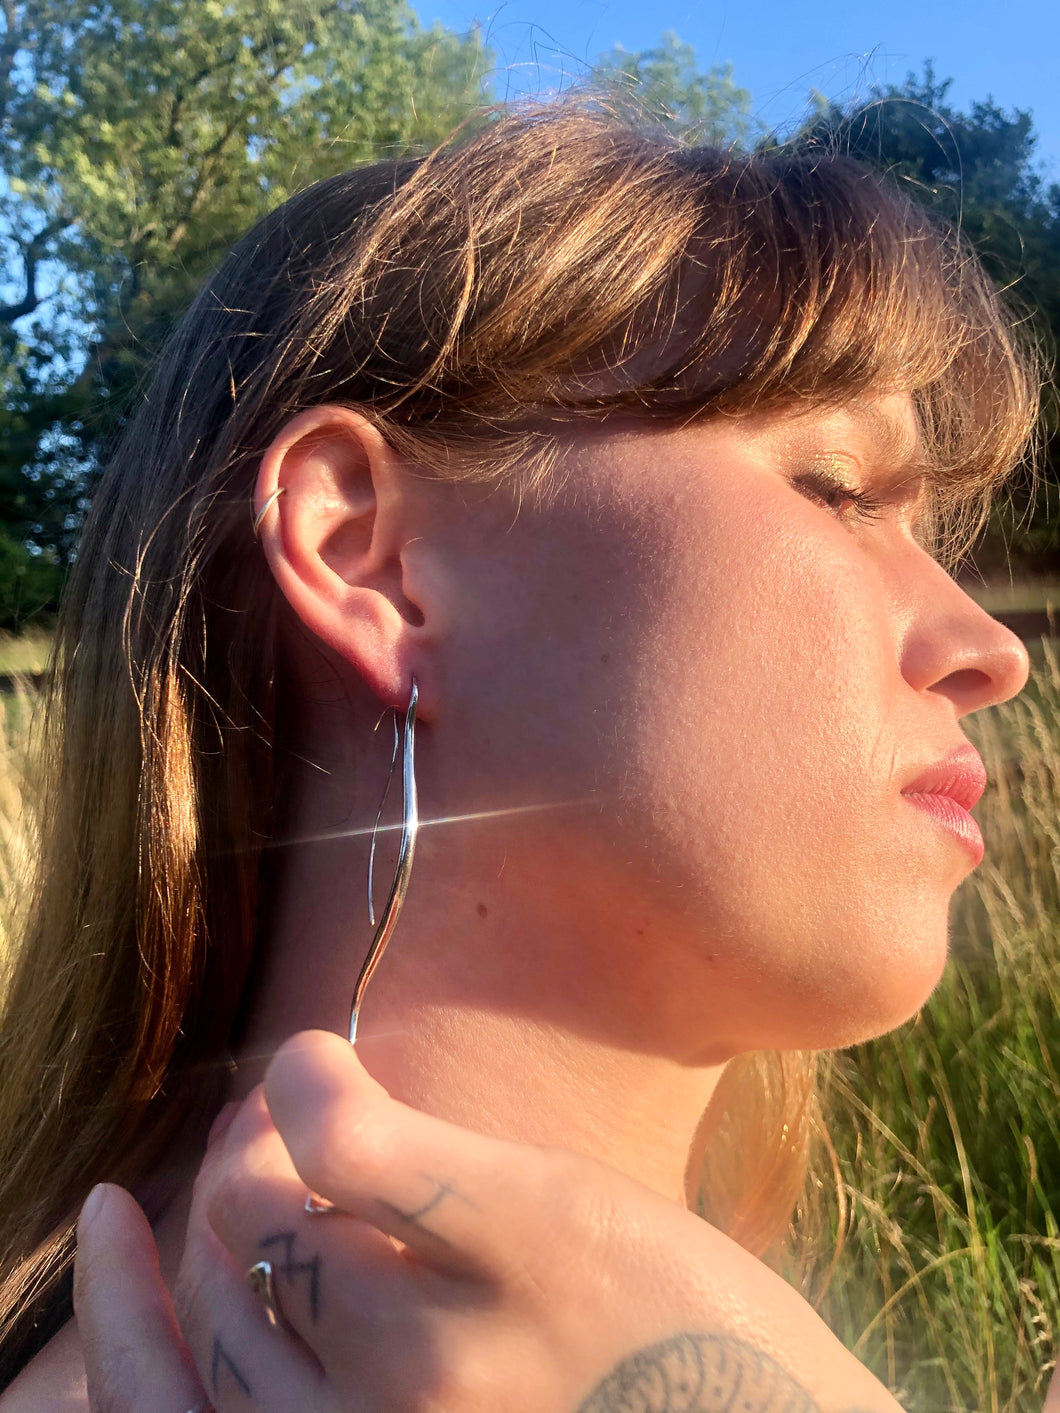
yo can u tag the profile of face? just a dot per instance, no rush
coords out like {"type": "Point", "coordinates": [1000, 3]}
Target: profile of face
{"type": "Point", "coordinates": [722, 653]}
{"type": "Point", "coordinates": [674, 711]}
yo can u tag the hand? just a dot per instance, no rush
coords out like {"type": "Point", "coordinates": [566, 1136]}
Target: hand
{"type": "Point", "coordinates": [462, 1274]}
{"type": "Point", "coordinates": [136, 1360]}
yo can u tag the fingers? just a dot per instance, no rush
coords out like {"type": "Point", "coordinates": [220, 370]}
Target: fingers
{"type": "Point", "coordinates": [439, 1188]}
{"type": "Point", "coordinates": [135, 1357]}
{"type": "Point", "coordinates": [338, 1282]}
{"type": "Point", "coordinates": [243, 1361]}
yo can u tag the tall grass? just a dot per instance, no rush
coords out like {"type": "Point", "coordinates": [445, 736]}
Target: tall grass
{"type": "Point", "coordinates": [947, 1132]}
{"type": "Point", "coordinates": [18, 713]}
{"type": "Point", "coordinates": [23, 658]}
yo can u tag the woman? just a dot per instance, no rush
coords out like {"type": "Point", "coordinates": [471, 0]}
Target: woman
{"type": "Point", "coordinates": [633, 462]}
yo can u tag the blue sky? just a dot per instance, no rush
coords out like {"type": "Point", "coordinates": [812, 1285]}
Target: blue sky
{"type": "Point", "coordinates": [1009, 51]}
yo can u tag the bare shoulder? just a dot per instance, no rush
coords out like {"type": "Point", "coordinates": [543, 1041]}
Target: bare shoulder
{"type": "Point", "coordinates": [54, 1381]}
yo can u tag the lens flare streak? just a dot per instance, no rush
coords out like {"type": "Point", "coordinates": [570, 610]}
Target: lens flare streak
{"type": "Point", "coordinates": [473, 816]}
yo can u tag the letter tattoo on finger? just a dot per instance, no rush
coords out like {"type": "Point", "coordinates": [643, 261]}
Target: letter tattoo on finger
{"type": "Point", "coordinates": [290, 1267]}
{"type": "Point", "coordinates": [416, 1216]}
{"type": "Point", "coordinates": [220, 1360]}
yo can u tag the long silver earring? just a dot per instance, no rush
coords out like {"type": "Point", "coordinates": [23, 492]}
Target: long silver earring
{"type": "Point", "coordinates": [410, 823]}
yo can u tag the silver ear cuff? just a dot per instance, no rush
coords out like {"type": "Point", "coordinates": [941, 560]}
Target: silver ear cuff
{"type": "Point", "coordinates": [410, 824]}
{"type": "Point", "coordinates": [270, 502]}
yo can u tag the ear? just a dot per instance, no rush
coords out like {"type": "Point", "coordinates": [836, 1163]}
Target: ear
{"type": "Point", "coordinates": [335, 538]}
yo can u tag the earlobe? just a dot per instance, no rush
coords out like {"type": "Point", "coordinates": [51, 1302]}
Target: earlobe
{"type": "Point", "coordinates": [333, 506]}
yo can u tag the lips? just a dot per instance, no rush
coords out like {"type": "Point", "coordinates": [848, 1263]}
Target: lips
{"type": "Point", "coordinates": [961, 777]}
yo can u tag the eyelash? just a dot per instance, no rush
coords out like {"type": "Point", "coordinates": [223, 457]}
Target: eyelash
{"type": "Point", "coordinates": [866, 507]}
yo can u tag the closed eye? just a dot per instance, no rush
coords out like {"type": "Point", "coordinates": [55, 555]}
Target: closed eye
{"type": "Point", "coordinates": [845, 501]}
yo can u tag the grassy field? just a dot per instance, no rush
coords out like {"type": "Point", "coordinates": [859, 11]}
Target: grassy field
{"type": "Point", "coordinates": [24, 652]}
{"type": "Point", "coordinates": [946, 1133]}
{"type": "Point", "coordinates": [1002, 597]}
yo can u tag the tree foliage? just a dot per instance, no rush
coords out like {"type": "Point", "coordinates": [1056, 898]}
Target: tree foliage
{"type": "Point", "coordinates": [707, 107]}
{"type": "Point", "coordinates": [140, 139]}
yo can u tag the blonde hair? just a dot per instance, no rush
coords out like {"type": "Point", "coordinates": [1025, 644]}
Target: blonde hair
{"type": "Point", "coordinates": [554, 265]}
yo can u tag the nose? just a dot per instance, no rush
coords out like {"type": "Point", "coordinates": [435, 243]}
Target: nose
{"type": "Point", "coordinates": [954, 648]}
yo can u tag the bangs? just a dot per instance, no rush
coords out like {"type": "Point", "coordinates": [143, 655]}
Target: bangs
{"type": "Point", "coordinates": [812, 282]}
{"type": "Point", "coordinates": [558, 264]}
{"type": "Point", "coordinates": [613, 272]}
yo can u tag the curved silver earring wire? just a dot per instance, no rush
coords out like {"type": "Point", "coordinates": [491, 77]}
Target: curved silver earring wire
{"type": "Point", "coordinates": [375, 828]}
{"type": "Point", "coordinates": [410, 824]}
{"type": "Point", "coordinates": [270, 502]}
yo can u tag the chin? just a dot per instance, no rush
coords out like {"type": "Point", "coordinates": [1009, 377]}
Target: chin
{"type": "Point", "coordinates": [877, 984]}
{"type": "Point", "coordinates": [892, 997]}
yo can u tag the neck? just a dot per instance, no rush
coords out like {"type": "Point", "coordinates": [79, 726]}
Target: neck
{"type": "Point", "coordinates": [516, 1078]}
{"type": "Point", "coordinates": [491, 1007]}
{"type": "Point", "coordinates": [502, 1004]}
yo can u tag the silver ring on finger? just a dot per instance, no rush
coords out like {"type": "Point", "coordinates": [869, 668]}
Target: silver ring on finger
{"type": "Point", "coordinates": [262, 1281]}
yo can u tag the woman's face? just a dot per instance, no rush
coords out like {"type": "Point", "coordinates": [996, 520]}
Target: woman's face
{"type": "Point", "coordinates": [735, 669]}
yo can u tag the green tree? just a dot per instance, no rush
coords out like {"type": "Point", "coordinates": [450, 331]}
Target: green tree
{"type": "Point", "coordinates": [708, 107]}
{"type": "Point", "coordinates": [138, 140]}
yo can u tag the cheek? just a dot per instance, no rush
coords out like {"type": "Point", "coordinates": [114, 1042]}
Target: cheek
{"type": "Point", "coordinates": [774, 658]}
{"type": "Point", "coordinates": [762, 786]}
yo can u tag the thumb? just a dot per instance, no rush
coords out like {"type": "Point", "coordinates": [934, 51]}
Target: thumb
{"type": "Point", "coordinates": [135, 1357]}
{"type": "Point", "coordinates": [411, 1175]}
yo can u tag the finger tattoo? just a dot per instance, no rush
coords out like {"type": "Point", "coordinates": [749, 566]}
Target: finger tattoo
{"type": "Point", "coordinates": [415, 1217]}
{"type": "Point", "coordinates": [290, 1267]}
{"type": "Point", "coordinates": [220, 1361]}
